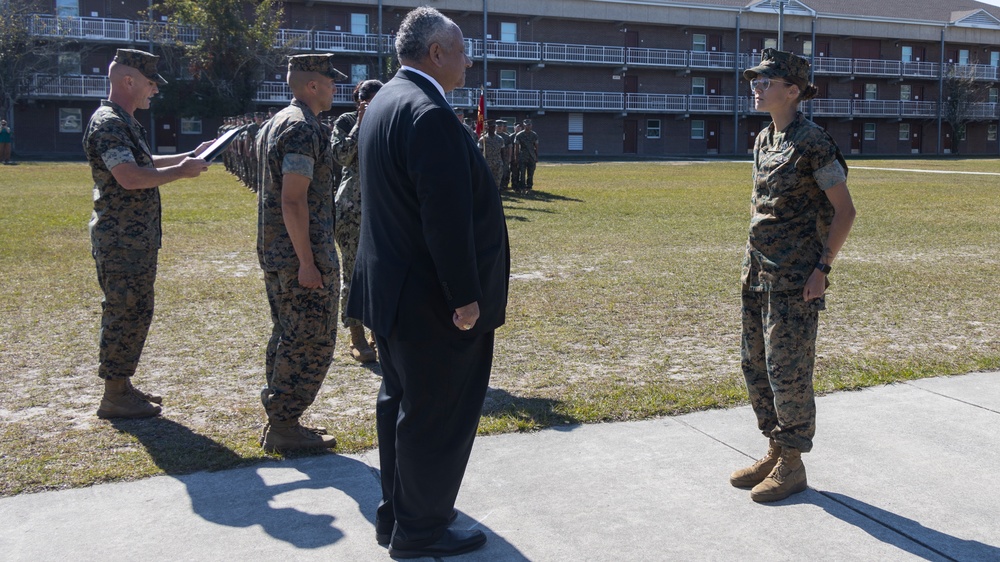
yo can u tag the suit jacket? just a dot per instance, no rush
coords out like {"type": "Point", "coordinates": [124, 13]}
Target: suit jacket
{"type": "Point", "coordinates": [433, 233]}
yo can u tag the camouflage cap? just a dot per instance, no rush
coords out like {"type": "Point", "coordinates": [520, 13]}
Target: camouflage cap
{"type": "Point", "coordinates": [780, 64]}
{"type": "Point", "coordinates": [501, 122]}
{"type": "Point", "coordinates": [142, 61]}
{"type": "Point", "coordinates": [322, 64]}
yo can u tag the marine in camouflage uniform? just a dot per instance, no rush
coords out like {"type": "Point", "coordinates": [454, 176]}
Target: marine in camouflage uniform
{"type": "Point", "coordinates": [799, 197]}
{"type": "Point", "coordinates": [348, 204]}
{"type": "Point", "coordinates": [527, 155]}
{"type": "Point", "coordinates": [301, 290]}
{"type": "Point", "coordinates": [125, 227]}
{"type": "Point", "coordinates": [508, 140]}
{"type": "Point", "coordinates": [492, 146]}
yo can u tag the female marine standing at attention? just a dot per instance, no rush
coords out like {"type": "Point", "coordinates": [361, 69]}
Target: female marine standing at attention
{"type": "Point", "coordinates": [801, 214]}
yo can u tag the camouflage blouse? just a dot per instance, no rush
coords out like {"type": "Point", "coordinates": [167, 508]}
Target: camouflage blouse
{"type": "Point", "coordinates": [790, 214]}
{"type": "Point", "coordinates": [126, 219]}
{"type": "Point", "coordinates": [294, 141]}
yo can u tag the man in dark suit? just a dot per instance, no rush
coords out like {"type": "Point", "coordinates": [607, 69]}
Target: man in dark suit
{"type": "Point", "coordinates": [431, 282]}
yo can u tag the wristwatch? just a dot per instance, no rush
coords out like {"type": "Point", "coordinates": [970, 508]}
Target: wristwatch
{"type": "Point", "coordinates": [824, 268]}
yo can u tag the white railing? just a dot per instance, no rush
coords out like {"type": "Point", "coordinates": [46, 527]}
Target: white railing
{"type": "Point", "coordinates": [514, 99]}
{"type": "Point", "coordinates": [340, 41]}
{"type": "Point", "coordinates": [656, 57]}
{"type": "Point", "coordinates": [558, 52]}
{"type": "Point", "coordinates": [918, 109]}
{"type": "Point", "coordinates": [830, 65]}
{"type": "Point", "coordinates": [277, 93]}
{"type": "Point", "coordinates": [877, 67]}
{"type": "Point", "coordinates": [599, 101]}
{"type": "Point", "coordinates": [297, 39]}
{"type": "Point", "coordinates": [974, 71]}
{"type": "Point", "coordinates": [921, 69]}
{"type": "Point", "coordinates": [711, 59]}
{"type": "Point", "coordinates": [75, 86]}
{"type": "Point", "coordinates": [102, 29]}
{"type": "Point", "coordinates": [983, 111]}
{"type": "Point", "coordinates": [710, 104]}
{"type": "Point", "coordinates": [876, 107]}
{"type": "Point", "coordinates": [513, 50]}
{"type": "Point", "coordinates": [667, 103]}
{"type": "Point", "coordinates": [160, 32]}
{"type": "Point", "coordinates": [831, 107]}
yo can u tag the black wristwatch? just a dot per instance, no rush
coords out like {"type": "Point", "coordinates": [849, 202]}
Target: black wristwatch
{"type": "Point", "coordinates": [824, 268]}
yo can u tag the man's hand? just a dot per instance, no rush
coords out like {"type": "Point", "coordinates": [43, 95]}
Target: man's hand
{"type": "Point", "coordinates": [201, 147]}
{"type": "Point", "coordinates": [192, 167]}
{"type": "Point", "coordinates": [815, 286]}
{"type": "Point", "coordinates": [309, 276]}
{"type": "Point", "coordinates": [465, 317]}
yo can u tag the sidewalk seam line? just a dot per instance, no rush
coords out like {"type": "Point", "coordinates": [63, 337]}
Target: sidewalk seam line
{"type": "Point", "coordinates": [910, 384]}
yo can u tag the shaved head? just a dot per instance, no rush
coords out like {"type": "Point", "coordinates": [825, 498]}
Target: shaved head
{"type": "Point", "coordinates": [299, 79]}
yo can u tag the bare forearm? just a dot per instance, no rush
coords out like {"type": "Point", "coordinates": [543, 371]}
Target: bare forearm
{"type": "Point", "coordinates": [168, 160]}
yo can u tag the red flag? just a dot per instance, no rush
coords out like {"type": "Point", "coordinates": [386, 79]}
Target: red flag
{"type": "Point", "coordinates": [481, 117]}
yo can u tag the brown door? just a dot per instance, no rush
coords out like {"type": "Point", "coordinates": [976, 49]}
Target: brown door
{"type": "Point", "coordinates": [631, 39]}
{"type": "Point", "coordinates": [715, 43]}
{"type": "Point", "coordinates": [492, 78]}
{"type": "Point", "coordinates": [916, 134]}
{"type": "Point", "coordinates": [753, 129]}
{"type": "Point", "coordinates": [338, 22]}
{"type": "Point", "coordinates": [952, 56]}
{"type": "Point", "coordinates": [712, 129]}
{"type": "Point", "coordinates": [493, 30]}
{"type": "Point", "coordinates": [857, 135]}
{"type": "Point", "coordinates": [630, 84]}
{"type": "Point", "coordinates": [917, 93]}
{"type": "Point", "coordinates": [166, 135]}
{"type": "Point", "coordinates": [866, 49]}
{"type": "Point", "coordinates": [713, 86]}
{"type": "Point", "coordinates": [822, 49]}
{"type": "Point", "coordinates": [858, 89]}
{"type": "Point", "coordinates": [919, 54]}
{"type": "Point", "coordinates": [630, 136]}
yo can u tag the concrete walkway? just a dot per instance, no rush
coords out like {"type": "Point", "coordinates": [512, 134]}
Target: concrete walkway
{"type": "Point", "coordinates": [900, 472]}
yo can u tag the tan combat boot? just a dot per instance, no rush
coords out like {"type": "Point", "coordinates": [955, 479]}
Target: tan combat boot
{"type": "Point", "coordinates": [154, 398]}
{"type": "Point", "coordinates": [120, 402]}
{"type": "Point", "coordinates": [361, 350]}
{"type": "Point", "coordinates": [787, 478]}
{"type": "Point", "coordinates": [756, 473]}
{"type": "Point", "coordinates": [289, 435]}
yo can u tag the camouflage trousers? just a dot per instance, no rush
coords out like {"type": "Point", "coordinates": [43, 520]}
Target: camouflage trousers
{"type": "Point", "coordinates": [347, 232]}
{"type": "Point", "coordinates": [778, 353]}
{"type": "Point", "coordinates": [496, 168]}
{"type": "Point", "coordinates": [505, 177]}
{"type": "Point", "coordinates": [515, 174]}
{"type": "Point", "coordinates": [302, 341]}
{"type": "Point", "coordinates": [126, 278]}
{"type": "Point", "coordinates": [526, 173]}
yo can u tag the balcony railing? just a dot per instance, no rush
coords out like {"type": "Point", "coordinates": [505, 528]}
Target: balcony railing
{"type": "Point", "coordinates": [656, 57]}
{"type": "Point", "coordinates": [513, 50]}
{"type": "Point", "coordinates": [918, 109]}
{"type": "Point", "coordinates": [710, 104]}
{"type": "Point", "coordinates": [594, 101]}
{"type": "Point", "coordinates": [661, 103]}
{"type": "Point", "coordinates": [877, 67]}
{"type": "Point", "coordinates": [921, 69]}
{"type": "Point", "coordinates": [69, 86]}
{"type": "Point", "coordinates": [514, 99]}
{"type": "Point", "coordinates": [297, 39]}
{"type": "Point", "coordinates": [277, 93]}
{"type": "Point", "coordinates": [98, 29]}
{"type": "Point", "coordinates": [974, 71]}
{"type": "Point", "coordinates": [349, 42]}
{"type": "Point", "coordinates": [557, 52]}
{"type": "Point", "coordinates": [711, 59]}
{"type": "Point", "coordinates": [831, 65]}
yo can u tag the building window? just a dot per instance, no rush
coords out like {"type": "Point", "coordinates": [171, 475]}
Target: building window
{"type": "Point", "coordinates": [991, 133]}
{"type": "Point", "coordinates": [994, 58]}
{"type": "Point", "coordinates": [67, 8]}
{"type": "Point", "coordinates": [652, 128]}
{"type": "Point", "coordinates": [871, 91]}
{"type": "Point", "coordinates": [359, 24]}
{"type": "Point", "coordinates": [963, 56]}
{"type": "Point", "coordinates": [807, 48]}
{"type": "Point", "coordinates": [904, 92]}
{"type": "Point", "coordinates": [699, 42]}
{"type": "Point", "coordinates": [697, 86]}
{"type": "Point", "coordinates": [70, 120]}
{"type": "Point", "coordinates": [359, 73]}
{"type": "Point", "coordinates": [904, 131]}
{"type": "Point", "coordinates": [770, 43]}
{"type": "Point", "coordinates": [697, 129]}
{"type": "Point", "coordinates": [508, 32]}
{"type": "Point", "coordinates": [190, 126]}
{"type": "Point", "coordinates": [993, 95]}
{"type": "Point", "coordinates": [869, 131]}
{"type": "Point", "coordinates": [907, 54]}
{"type": "Point", "coordinates": [575, 131]}
{"type": "Point", "coordinates": [508, 79]}
{"type": "Point", "coordinates": [69, 63]}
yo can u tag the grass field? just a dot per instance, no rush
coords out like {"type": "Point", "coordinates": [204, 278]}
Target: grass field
{"type": "Point", "coordinates": [624, 305]}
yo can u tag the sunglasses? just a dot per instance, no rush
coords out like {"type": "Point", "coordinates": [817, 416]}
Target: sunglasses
{"type": "Point", "coordinates": [765, 83]}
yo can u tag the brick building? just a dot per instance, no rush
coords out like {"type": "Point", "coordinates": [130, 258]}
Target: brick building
{"type": "Point", "coordinates": [615, 78]}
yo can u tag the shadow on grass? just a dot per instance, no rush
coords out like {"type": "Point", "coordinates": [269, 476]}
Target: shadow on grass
{"type": "Point", "coordinates": [893, 529]}
{"type": "Point", "coordinates": [249, 496]}
{"type": "Point", "coordinates": [525, 414]}
{"type": "Point", "coordinates": [536, 195]}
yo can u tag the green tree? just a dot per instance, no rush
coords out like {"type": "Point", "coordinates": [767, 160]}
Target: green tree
{"type": "Point", "coordinates": [218, 70]}
{"type": "Point", "coordinates": [23, 54]}
{"type": "Point", "coordinates": [962, 93]}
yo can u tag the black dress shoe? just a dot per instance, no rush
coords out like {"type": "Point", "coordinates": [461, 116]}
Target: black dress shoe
{"type": "Point", "coordinates": [383, 529]}
{"type": "Point", "coordinates": [451, 543]}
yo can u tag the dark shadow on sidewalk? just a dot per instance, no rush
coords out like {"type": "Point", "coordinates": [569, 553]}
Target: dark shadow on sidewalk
{"type": "Point", "coordinates": [240, 497]}
{"type": "Point", "coordinates": [901, 532]}
{"type": "Point", "coordinates": [536, 413]}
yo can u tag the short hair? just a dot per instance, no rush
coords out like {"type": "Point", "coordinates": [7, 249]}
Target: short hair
{"type": "Point", "coordinates": [366, 90]}
{"type": "Point", "coordinates": [418, 30]}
